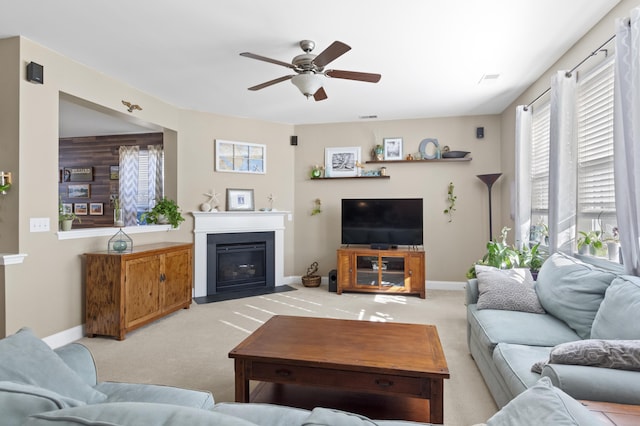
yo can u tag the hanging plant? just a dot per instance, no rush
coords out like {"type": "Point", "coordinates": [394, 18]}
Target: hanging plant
{"type": "Point", "coordinates": [317, 207]}
{"type": "Point", "coordinates": [451, 200]}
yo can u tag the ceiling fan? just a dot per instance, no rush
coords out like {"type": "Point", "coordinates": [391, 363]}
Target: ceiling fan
{"type": "Point", "coordinates": [309, 68]}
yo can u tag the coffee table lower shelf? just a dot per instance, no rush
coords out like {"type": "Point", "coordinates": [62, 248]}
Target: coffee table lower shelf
{"type": "Point", "coordinates": [374, 406]}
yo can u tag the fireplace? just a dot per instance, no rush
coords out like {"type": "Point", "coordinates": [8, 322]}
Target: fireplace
{"type": "Point", "coordinates": [240, 262]}
{"type": "Point", "coordinates": [208, 225]}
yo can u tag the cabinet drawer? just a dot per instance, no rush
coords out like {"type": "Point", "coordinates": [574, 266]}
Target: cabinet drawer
{"type": "Point", "coordinates": [355, 380]}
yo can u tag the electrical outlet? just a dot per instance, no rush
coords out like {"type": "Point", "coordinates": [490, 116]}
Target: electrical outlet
{"type": "Point", "coordinates": [39, 224]}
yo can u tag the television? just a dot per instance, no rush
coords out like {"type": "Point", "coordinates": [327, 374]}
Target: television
{"type": "Point", "coordinates": [382, 223]}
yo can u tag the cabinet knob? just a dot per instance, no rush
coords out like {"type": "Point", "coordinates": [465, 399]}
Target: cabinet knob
{"type": "Point", "coordinates": [163, 277]}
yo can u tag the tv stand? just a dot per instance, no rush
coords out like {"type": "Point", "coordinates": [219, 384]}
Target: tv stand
{"type": "Point", "coordinates": [372, 270]}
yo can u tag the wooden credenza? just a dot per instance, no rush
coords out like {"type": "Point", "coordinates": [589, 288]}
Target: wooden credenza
{"type": "Point", "coordinates": [125, 291]}
{"type": "Point", "coordinates": [381, 271]}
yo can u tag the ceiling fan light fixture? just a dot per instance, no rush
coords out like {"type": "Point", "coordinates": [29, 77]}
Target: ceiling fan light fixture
{"type": "Point", "coordinates": [307, 83]}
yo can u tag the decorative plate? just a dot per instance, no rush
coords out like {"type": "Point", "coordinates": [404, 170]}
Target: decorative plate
{"type": "Point", "coordinates": [423, 148]}
{"type": "Point", "coordinates": [454, 154]}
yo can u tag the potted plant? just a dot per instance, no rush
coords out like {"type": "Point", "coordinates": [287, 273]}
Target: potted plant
{"type": "Point", "coordinates": [312, 279]}
{"type": "Point", "coordinates": [65, 219]}
{"type": "Point", "coordinates": [501, 255]}
{"type": "Point", "coordinates": [165, 211]}
{"type": "Point", "coordinates": [589, 242]}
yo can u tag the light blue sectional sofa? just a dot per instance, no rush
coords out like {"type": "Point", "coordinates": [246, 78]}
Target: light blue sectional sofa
{"type": "Point", "coordinates": [582, 304]}
{"type": "Point", "coordinates": [42, 387]}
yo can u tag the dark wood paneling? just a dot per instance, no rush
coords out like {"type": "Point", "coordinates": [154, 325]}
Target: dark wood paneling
{"type": "Point", "coordinates": [99, 152]}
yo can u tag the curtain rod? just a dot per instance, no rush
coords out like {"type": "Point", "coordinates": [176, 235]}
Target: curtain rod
{"type": "Point", "coordinates": [568, 73]}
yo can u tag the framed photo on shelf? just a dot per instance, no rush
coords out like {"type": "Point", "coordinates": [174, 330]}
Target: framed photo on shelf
{"type": "Point", "coordinates": [341, 162]}
{"type": "Point", "coordinates": [240, 199]}
{"type": "Point", "coordinates": [392, 148]}
{"type": "Point", "coordinates": [67, 208]}
{"type": "Point", "coordinates": [80, 209]}
{"type": "Point", "coordinates": [78, 174]}
{"type": "Point", "coordinates": [96, 209]}
{"type": "Point", "coordinates": [81, 190]}
{"type": "Point", "coordinates": [240, 157]}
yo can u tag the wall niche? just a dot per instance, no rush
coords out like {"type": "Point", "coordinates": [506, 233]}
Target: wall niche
{"type": "Point", "coordinates": [99, 153]}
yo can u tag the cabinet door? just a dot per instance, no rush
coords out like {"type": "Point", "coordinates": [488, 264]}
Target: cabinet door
{"type": "Point", "coordinates": [344, 269]}
{"type": "Point", "coordinates": [416, 273]}
{"type": "Point", "coordinates": [392, 271]}
{"type": "Point", "coordinates": [368, 269]}
{"type": "Point", "coordinates": [142, 290]}
{"type": "Point", "coordinates": [176, 280]}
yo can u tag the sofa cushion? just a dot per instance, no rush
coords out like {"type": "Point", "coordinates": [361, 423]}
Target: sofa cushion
{"type": "Point", "coordinates": [619, 313]}
{"type": "Point", "coordinates": [28, 360]}
{"type": "Point", "coordinates": [135, 392]}
{"type": "Point", "coordinates": [507, 289]}
{"type": "Point", "coordinates": [329, 417]}
{"type": "Point", "coordinates": [513, 363]}
{"type": "Point", "coordinates": [523, 328]}
{"type": "Point", "coordinates": [544, 404]}
{"type": "Point", "coordinates": [133, 414]}
{"type": "Point", "coordinates": [263, 414]}
{"type": "Point", "coordinates": [572, 291]}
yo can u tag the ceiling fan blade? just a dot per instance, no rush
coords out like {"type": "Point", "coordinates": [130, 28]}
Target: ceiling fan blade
{"type": "Point", "coordinates": [264, 58]}
{"type": "Point", "coordinates": [271, 82]}
{"type": "Point", "coordinates": [353, 75]}
{"type": "Point", "coordinates": [335, 50]}
{"type": "Point", "coordinates": [320, 94]}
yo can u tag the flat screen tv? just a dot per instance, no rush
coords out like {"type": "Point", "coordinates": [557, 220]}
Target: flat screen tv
{"type": "Point", "coordinates": [382, 222]}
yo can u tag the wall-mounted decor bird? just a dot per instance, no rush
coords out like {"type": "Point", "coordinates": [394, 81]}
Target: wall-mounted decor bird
{"type": "Point", "coordinates": [131, 107]}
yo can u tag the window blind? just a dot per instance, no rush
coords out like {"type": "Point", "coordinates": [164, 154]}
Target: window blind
{"type": "Point", "coordinates": [596, 189]}
{"type": "Point", "coordinates": [540, 128]}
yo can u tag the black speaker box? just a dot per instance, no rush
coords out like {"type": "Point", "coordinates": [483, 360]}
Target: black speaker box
{"type": "Point", "coordinates": [35, 73]}
{"type": "Point", "coordinates": [294, 140]}
{"type": "Point", "coordinates": [479, 132]}
{"type": "Point", "coordinates": [333, 280]}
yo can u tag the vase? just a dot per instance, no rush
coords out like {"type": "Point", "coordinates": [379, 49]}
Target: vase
{"type": "Point", "coordinates": [613, 251]}
{"type": "Point", "coordinates": [66, 225]}
{"type": "Point", "coordinates": [118, 217]}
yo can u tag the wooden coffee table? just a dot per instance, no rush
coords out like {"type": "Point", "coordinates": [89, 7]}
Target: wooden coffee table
{"type": "Point", "coordinates": [386, 361]}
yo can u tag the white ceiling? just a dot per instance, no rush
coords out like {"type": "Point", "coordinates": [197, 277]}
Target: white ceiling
{"type": "Point", "coordinates": [432, 54]}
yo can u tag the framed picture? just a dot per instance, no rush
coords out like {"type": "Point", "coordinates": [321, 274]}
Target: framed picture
{"type": "Point", "coordinates": [114, 172]}
{"type": "Point", "coordinates": [240, 157]}
{"type": "Point", "coordinates": [96, 209]}
{"type": "Point", "coordinates": [341, 162]}
{"type": "Point", "coordinates": [67, 208]}
{"type": "Point", "coordinates": [78, 174]}
{"type": "Point", "coordinates": [81, 190]}
{"type": "Point", "coordinates": [240, 199]}
{"type": "Point", "coordinates": [392, 148]}
{"type": "Point", "coordinates": [80, 209]}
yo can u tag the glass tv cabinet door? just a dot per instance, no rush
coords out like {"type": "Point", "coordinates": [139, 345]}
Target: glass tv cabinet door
{"type": "Point", "coordinates": [380, 271]}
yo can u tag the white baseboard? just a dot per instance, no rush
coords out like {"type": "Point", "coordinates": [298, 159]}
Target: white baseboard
{"type": "Point", "coordinates": [65, 337]}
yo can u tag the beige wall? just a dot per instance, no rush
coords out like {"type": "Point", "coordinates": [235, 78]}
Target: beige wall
{"type": "Point", "coordinates": [450, 247]}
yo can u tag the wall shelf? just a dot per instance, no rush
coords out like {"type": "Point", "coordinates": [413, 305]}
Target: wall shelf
{"type": "Point", "coordinates": [353, 177]}
{"type": "Point", "coordinates": [446, 160]}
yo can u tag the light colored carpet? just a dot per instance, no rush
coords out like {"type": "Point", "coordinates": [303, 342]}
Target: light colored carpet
{"type": "Point", "coordinates": [190, 348]}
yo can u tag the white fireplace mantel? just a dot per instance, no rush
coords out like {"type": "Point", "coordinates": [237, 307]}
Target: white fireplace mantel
{"type": "Point", "coordinates": [206, 223]}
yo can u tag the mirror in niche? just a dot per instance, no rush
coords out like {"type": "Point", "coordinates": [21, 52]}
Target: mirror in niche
{"type": "Point", "coordinates": [103, 140]}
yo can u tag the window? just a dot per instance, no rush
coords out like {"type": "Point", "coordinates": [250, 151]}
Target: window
{"type": "Point", "coordinates": [596, 210]}
{"type": "Point", "coordinates": [540, 173]}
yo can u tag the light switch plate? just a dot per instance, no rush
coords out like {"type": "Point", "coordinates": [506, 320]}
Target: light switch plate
{"type": "Point", "coordinates": [39, 224]}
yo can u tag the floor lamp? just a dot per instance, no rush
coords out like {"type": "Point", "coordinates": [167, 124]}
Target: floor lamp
{"type": "Point", "coordinates": [489, 180]}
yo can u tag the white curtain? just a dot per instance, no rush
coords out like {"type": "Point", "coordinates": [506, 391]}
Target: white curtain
{"type": "Point", "coordinates": [626, 139]}
{"type": "Point", "coordinates": [155, 172]}
{"type": "Point", "coordinates": [128, 192]}
{"type": "Point", "coordinates": [523, 175]}
{"type": "Point", "coordinates": [562, 163]}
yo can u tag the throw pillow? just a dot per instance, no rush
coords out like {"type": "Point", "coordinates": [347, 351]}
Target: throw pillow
{"type": "Point", "coordinates": [618, 354]}
{"type": "Point", "coordinates": [507, 290]}
{"type": "Point", "coordinates": [619, 313]}
{"type": "Point", "coordinates": [28, 360]}
{"type": "Point", "coordinates": [572, 291]}
{"type": "Point", "coordinates": [544, 404]}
